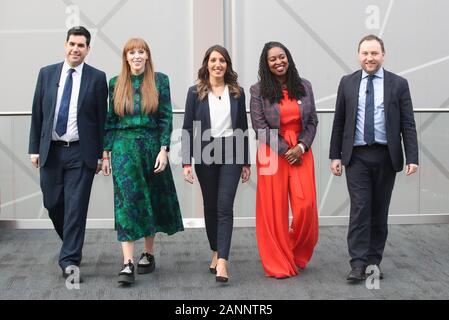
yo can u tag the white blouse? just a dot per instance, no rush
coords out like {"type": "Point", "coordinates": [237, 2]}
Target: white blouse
{"type": "Point", "coordinates": [220, 114]}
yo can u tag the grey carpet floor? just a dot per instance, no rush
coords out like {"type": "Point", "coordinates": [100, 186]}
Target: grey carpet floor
{"type": "Point", "coordinates": [416, 266]}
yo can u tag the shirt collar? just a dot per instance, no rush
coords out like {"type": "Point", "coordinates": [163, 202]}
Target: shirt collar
{"type": "Point", "coordinates": [66, 67]}
{"type": "Point", "coordinates": [378, 74]}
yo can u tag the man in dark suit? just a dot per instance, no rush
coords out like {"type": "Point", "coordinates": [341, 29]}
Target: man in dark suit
{"type": "Point", "coordinates": [373, 111]}
{"type": "Point", "coordinates": [66, 142]}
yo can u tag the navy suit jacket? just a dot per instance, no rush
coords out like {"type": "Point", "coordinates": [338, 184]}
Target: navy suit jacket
{"type": "Point", "coordinates": [92, 106]}
{"type": "Point", "coordinates": [266, 116]}
{"type": "Point", "coordinates": [198, 111]}
{"type": "Point", "coordinates": [399, 119]}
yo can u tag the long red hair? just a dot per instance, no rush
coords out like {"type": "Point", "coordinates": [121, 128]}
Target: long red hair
{"type": "Point", "coordinates": [124, 93]}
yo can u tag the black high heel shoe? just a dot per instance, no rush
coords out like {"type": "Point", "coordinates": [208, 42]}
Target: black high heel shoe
{"type": "Point", "coordinates": [221, 279]}
{"type": "Point", "coordinates": [213, 270]}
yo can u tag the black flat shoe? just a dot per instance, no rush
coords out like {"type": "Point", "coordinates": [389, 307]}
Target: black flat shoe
{"type": "Point", "coordinates": [126, 275]}
{"type": "Point", "coordinates": [221, 279]}
{"type": "Point", "coordinates": [146, 263]}
{"type": "Point", "coordinates": [213, 270]}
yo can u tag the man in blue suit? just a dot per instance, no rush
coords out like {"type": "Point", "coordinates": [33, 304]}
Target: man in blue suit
{"type": "Point", "coordinates": [373, 117]}
{"type": "Point", "coordinates": [66, 142]}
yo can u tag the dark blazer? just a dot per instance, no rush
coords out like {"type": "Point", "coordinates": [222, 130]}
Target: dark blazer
{"type": "Point", "coordinates": [92, 106]}
{"type": "Point", "coordinates": [266, 115]}
{"type": "Point", "coordinates": [399, 119]}
{"type": "Point", "coordinates": [196, 110]}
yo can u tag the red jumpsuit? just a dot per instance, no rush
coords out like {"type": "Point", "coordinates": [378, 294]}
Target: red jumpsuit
{"type": "Point", "coordinates": [284, 247]}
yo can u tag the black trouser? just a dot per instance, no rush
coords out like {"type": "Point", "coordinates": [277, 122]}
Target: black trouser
{"type": "Point", "coordinates": [218, 185]}
{"type": "Point", "coordinates": [370, 178]}
{"type": "Point", "coordinates": [66, 183]}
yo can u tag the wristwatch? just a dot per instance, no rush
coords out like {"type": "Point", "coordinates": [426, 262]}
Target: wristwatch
{"type": "Point", "coordinates": [166, 148]}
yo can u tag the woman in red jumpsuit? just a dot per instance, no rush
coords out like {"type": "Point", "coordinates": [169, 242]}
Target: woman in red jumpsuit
{"type": "Point", "coordinates": [284, 117]}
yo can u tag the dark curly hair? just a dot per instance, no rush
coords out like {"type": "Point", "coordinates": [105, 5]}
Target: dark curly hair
{"type": "Point", "coordinates": [230, 77]}
{"type": "Point", "coordinates": [270, 86]}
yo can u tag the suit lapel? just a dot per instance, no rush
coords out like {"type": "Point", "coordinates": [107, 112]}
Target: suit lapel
{"type": "Point", "coordinates": [387, 92]}
{"type": "Point", "coordinates": [54, 85]}
{"type": "Point", "coordinates": [273, 111]}
{"type": "Point", "coordinates": [234, 107]}
{"type": "Point", "coordinates": [85, 79]}
{"type": "Point", "coordinates": [355, 87]}
{"type": "Point", "coordinates": [205, 112]}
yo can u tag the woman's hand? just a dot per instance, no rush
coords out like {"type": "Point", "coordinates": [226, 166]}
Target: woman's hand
{"type": "Point", "coordinates": [293, 155]}
{"type": "Point", "coordinates": [188, 175]}
{"type": "Point", "coordinates": [246, 173]}
{"type": "Point", "coordinates": [161, 161]}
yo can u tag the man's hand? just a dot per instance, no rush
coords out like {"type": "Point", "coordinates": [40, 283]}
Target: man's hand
{"type": "Point", "coordinates": [336, 167]}
{"type": "Point", "coordinates": [246, 173]}
{"type": "Point", "coordinates": [188, 176]}
{"type": "Point", "coordinates": [35, 162]}
{"type": "Point", "coordinates": [411, 169]}
{"type": "Point", "coordinates": [106, 167]}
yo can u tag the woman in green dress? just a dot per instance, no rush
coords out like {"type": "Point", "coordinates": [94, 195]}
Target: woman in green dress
{"type": "Point", "coordinates": [138, 130]}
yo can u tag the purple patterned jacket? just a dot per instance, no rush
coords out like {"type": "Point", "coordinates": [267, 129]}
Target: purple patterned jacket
{"type": "Point", "coordinates": [266, 116]}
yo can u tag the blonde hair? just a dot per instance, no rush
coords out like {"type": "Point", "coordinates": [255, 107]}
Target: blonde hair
{"type": "Point", "coordinates": [123, 91]}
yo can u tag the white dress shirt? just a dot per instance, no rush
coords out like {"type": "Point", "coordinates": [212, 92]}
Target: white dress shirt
{"type": "Point", "coordinates": [72, 127]}
{"type": "Point", "coordinates": [380, 131]}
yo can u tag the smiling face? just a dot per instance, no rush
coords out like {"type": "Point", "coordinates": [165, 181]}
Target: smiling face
{"type": "Point", "coordinates": [76, 50]}
{"type": "Point", "coordinates": [137, 59]}
{"type": "Point", "coordinates": [277, 62]}
{"type": "Point", "coordinates": [217, 65]}
{"type": "Point", "coordinates": [371, 56]}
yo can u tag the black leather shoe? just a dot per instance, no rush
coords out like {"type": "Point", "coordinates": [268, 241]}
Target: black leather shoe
{"type": "Point", "coordinates": [356, 274]}
{"type": "Point", "coordinates": [74, 272]}
{"type": "Point", "coordinates": [372, 270]}
{"type": "Point", "coordinates": [221, 279]}
{"type": "Point", "coordinates": [146, 263]}
{"type": "Point", "coordinates": [126, 275]}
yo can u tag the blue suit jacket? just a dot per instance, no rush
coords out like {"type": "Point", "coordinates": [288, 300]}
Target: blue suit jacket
{"type": "Point", "coordinates": [399, 119]}
{"type": "Point", "coordinates": [198, 111]}
{"type": "Point", "coordinates": [92, 106]}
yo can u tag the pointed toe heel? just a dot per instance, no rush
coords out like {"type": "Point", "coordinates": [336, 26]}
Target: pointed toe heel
{"type": "Point", "coordinates": [221, 279]}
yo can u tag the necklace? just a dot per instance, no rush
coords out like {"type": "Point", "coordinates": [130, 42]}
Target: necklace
{"type": "Point", "coordinates": [218, 91]}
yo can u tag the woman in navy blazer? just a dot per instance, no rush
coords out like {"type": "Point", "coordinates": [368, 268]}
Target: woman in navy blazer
{"type": "Point", "coordinates": [215, 135]}
{"type": "Point", "coordinates": [284, 117]}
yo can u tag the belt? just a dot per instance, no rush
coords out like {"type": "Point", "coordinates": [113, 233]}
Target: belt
{"type": "Point", "coordinates": [66, 144]}
{"type": "Point", "coordinates": [374, 145]}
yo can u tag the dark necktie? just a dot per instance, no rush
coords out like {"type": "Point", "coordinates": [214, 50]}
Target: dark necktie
{"type": "Point", "coordinates": [63, 115]}
{"type": "Point", "coordinates": [369, 112]}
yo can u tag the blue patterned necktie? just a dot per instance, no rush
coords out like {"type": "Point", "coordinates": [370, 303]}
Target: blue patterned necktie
{"type": "Point", "coordinates": [63, 115]}
{"type": "Point", "coordinates": [369, 112]}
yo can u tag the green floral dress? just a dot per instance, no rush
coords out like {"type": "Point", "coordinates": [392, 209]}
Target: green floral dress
{"type": "Point", "coordinates": [144, 202]}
